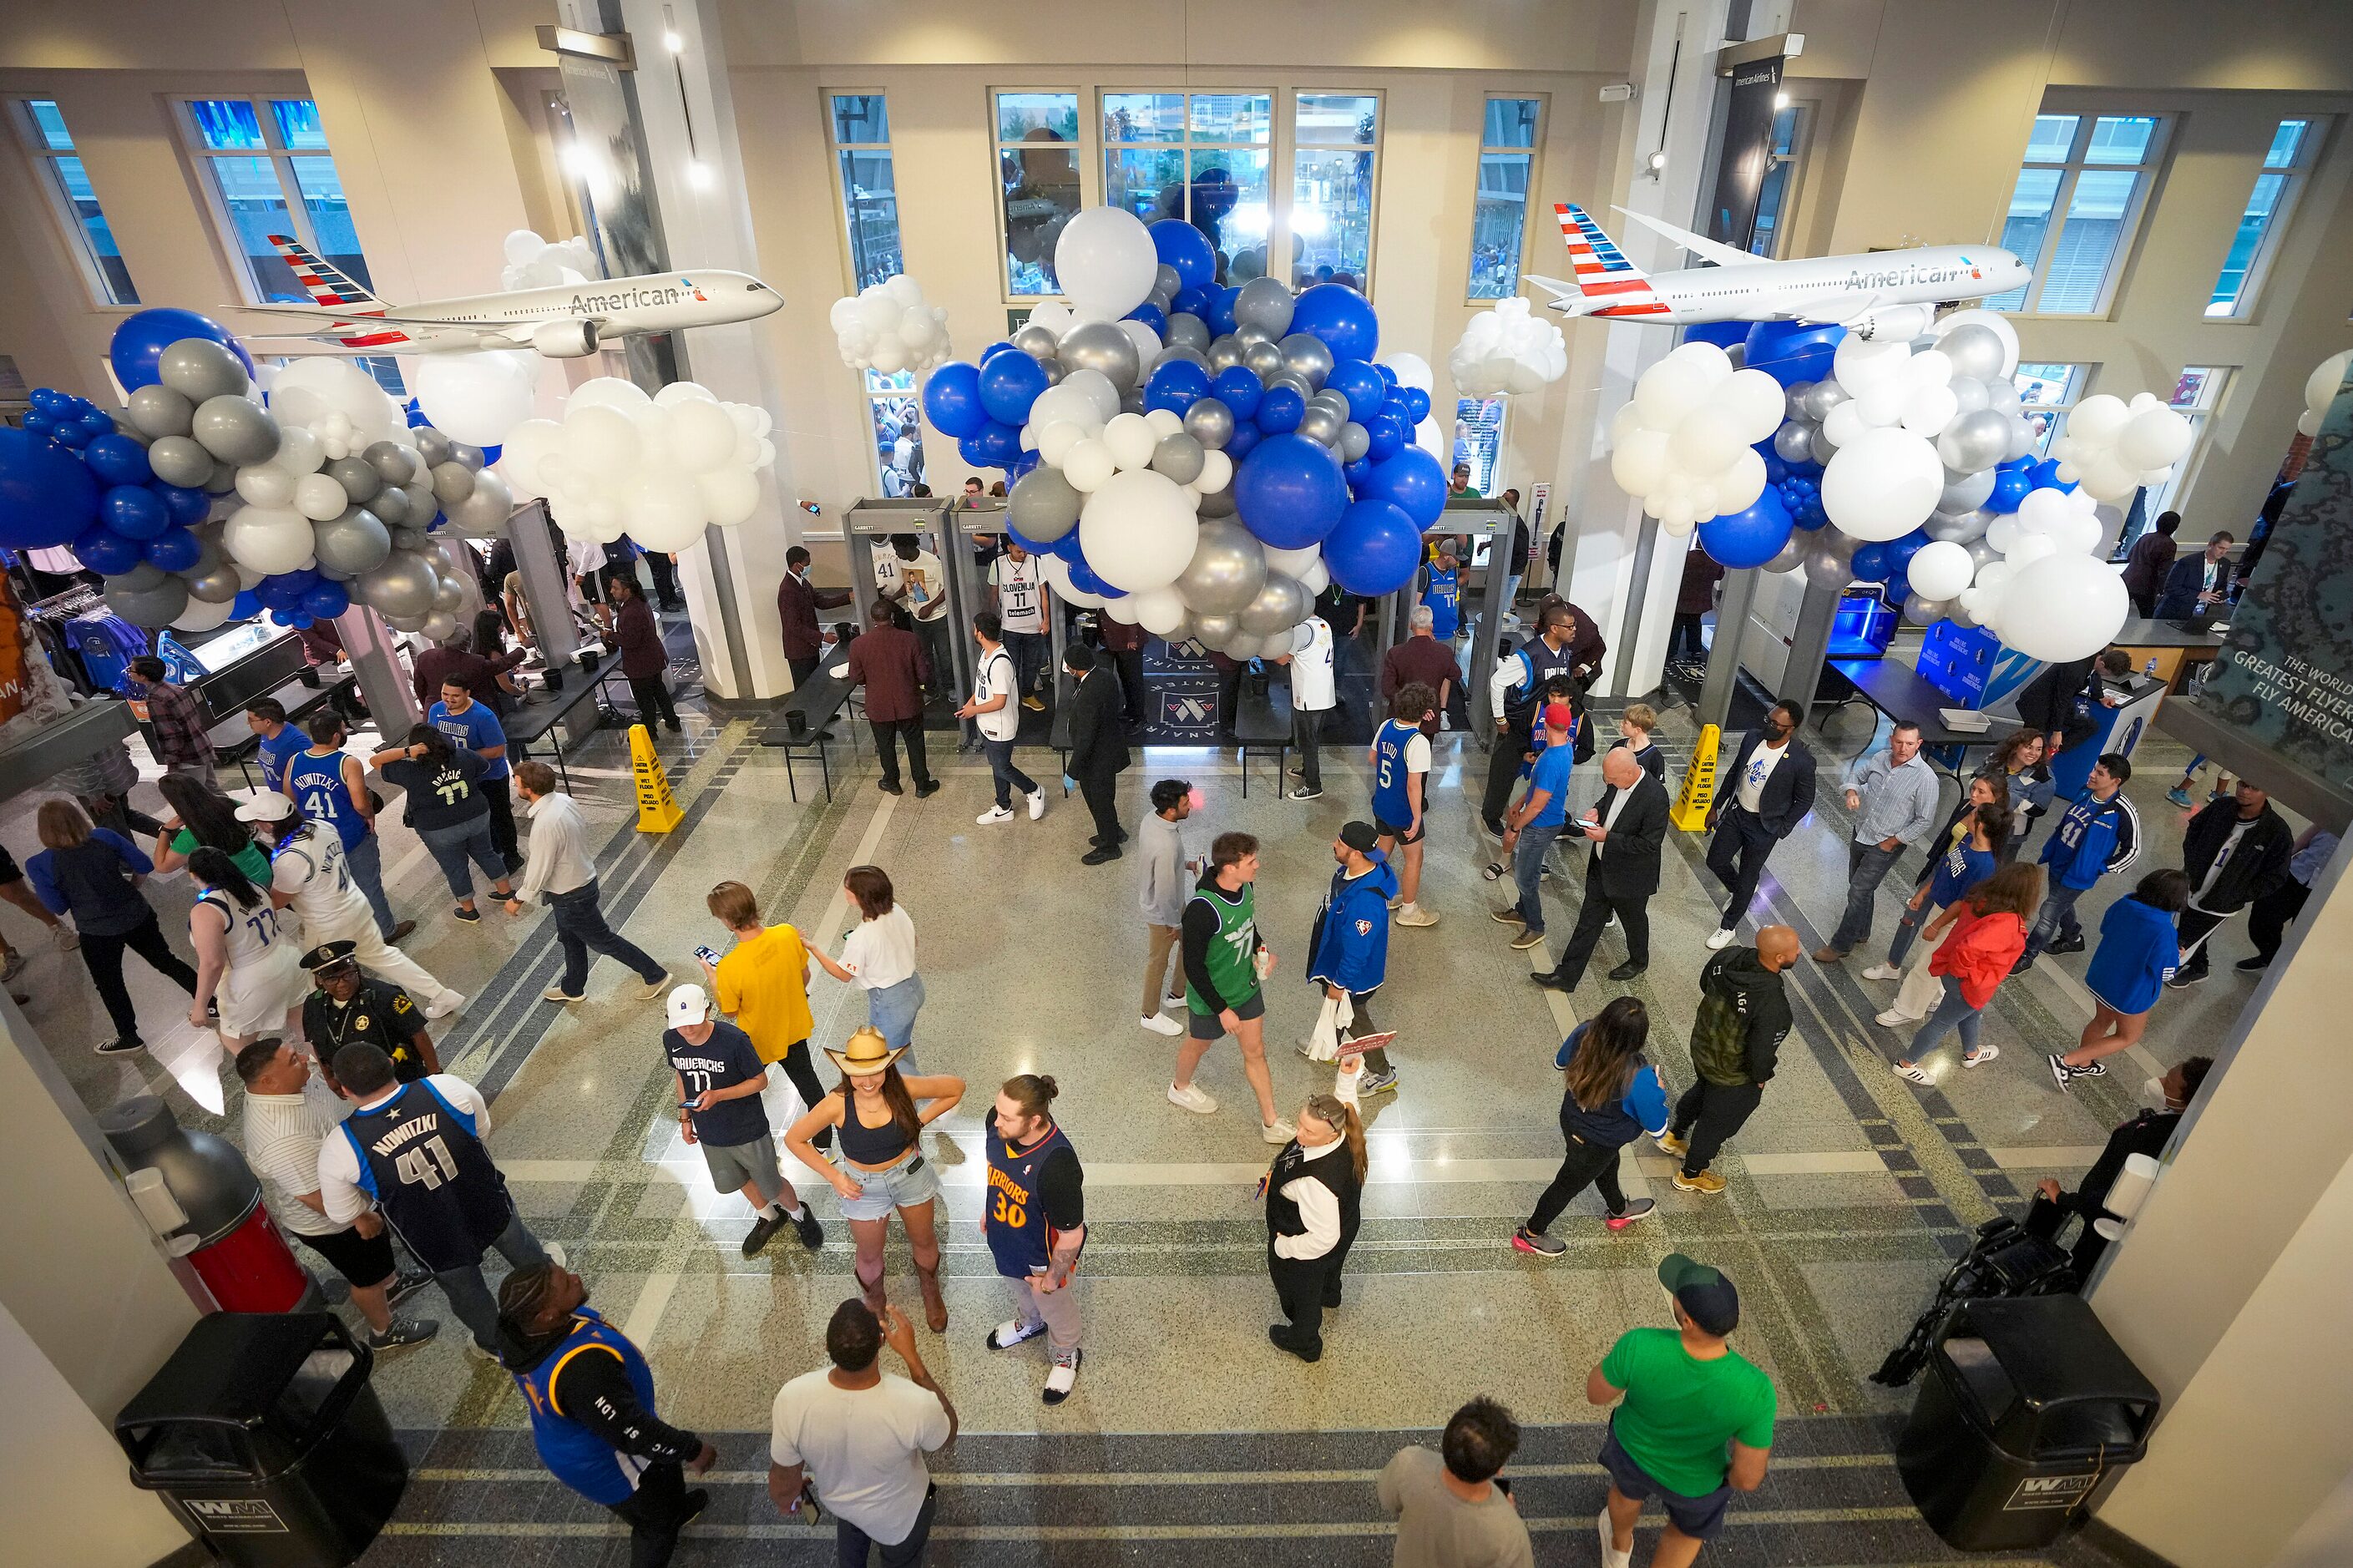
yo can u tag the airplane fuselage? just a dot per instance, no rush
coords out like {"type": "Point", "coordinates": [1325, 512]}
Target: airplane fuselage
{"type": "Point", "coordinates": [1824, 288]}
{"type": "Point", "coordinates": [656, 303]}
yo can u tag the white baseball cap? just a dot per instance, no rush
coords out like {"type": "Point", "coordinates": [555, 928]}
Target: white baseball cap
{"type": "Point", "coordinates": [263, 806]}
{"type": "Point", "coordinates": [688, 1004]}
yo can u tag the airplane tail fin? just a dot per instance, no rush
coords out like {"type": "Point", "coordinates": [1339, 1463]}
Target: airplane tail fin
{"type": "Point", "coordinates": [1605, 276]}
{"type": "Point", "coordinates": [330, 286]}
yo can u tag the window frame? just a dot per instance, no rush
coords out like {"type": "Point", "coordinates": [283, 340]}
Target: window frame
{"type": "Point", "coordinates": [1534, 154]}
{"type": "Point", "coordinates": [1286, 131]}
{"type": "Point", "coordinates": [47, 174]}
{"type": "Point", "coordinates": [2212, 394]}
{"type": "Point", "coordinates": [2076, 162]}
{"type": "Point", "coordinates": [2071, 391]}
{"type": "Point", "coordinates": [874, 397]}
{"type": "Point", "coordinates": [2295, 175]}
{"type": "Point", "coordinates": [1090, 178]}
{"type": "Point", "coordinates": [834, 147]}
{"type": "Point", "coordinates": [281, 167]}
{"type": "Point", "coordinates": [1804, 112]}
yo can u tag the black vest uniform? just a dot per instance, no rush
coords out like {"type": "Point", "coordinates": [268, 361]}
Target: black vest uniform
{"type": "Point", "coordinates": [1520, 707]}
{"type": "Point", "coordinates": [420, 1161]}
{"type": "Point", "coordinates": [1331, 1169]}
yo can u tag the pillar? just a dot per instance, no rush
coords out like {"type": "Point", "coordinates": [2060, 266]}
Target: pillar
{"type": "Point", "coordinates": [2227, 1286]}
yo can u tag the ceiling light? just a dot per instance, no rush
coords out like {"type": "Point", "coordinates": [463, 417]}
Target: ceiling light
{"type": "Point", "coordinates": [698, 175]}
{"type": "Point", "coordinates": [1780, 100]}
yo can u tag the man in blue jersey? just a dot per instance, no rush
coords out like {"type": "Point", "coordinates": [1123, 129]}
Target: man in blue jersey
{"type": "Point", "coordinates": [1035, 1216]}
{"type": "Point", "coordinates": [1400, 757]}
{"type": "Point", "coordinates": [472, 726]}
{"type": "Point", "coordinates": [1535, 822]}
{"type": "Point", "coordinates": [592, 1418]}
{"type": "Point", "coordinates": [1349, 952]}
{"type": "Point", "coordinates": [2100, 833]}
{"type": "Point", "coordinates": [331, 786]}
{"type": "Point", "coordinates": [1441, 590]}
{"type": "Point", "coordinates": [279, 741]}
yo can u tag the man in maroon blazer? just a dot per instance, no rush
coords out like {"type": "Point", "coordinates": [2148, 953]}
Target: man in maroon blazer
{"type": "Point", "coordinates": [890, 662]}
{"type": "Point", "coordinates": [798, 603]}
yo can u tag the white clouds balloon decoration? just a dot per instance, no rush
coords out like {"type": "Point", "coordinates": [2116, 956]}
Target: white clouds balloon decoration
{"type": "Point", "coordinates": [1507, 349]}
{"type": "Point", "coordinates": [659, 469]}
{"type": "Point", "coordinates": [1683, 443]}
{"type": "Point", "coordinates": [889, 327]}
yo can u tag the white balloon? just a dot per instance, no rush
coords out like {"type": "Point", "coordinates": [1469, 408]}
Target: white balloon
{"type": "Point", "coordinates": [1883, 402]}
{"type": "Point", "coordinates": [1669, 390]}
{"type": "Point", "coordinates": [1883, 485]}
{"type": "Point", "coordinates": [700, 434]}
{"type": "Point", "coordinates": [266, 539]}
{"type": "Point", "coordinates": [1130, 441]}
{"type": "Point", "coordinates": [730, 496]}
{"type": "Point", "coordinates": [1057, 572]}
{"type": "Point", "coordinates": [601, 441]}
{"type": "Point", "coordinates": [2097, 420]}
{"type": "Point", "coordinates": [1089, 465]}
{"type": "Point", "coordinates": [2063, 607]}
{"type": "Point", "coordinates": [477, 398]}
{"type": "Point", "coordinates": [1639, 461]}
{"type": "Point", "coordinates": [201, 617]}
{"type": "Point", "coordinates": [299, 451]}
{"type": "Point", "coordinates": [1739, 486]}
{"type": "Point", "coordinates": [1844, 425]}
{"type": "Point", "coordinates": [608, 389]}
{"type": "Point", "coordinates": [2155, 439]}
{"type": "Point", "coordinates": [265, 484]}
{"type": "Point", "coordinates": [1165, 423]}
{"type": "Point", "coordinates": [1138, 530]}
{"type": "Point", "coordinates": [316, 386]}
{"type": "Point", "coordinates": [679, 392]}
{"type": "Point", "coordinates": [1159, 611]}
{"type": "Point", "coordinates": [1097, 389]}
{"type": "Point", "coordinates": [1755, 401]}
{"type": "Point", "coordinates": [1147, 341]}
{"type": "Point", "coordinates": [1122, 609]}
{"type": "Point", "coordinates": [1294, 563]}
{"type": "Point", "coordinates": [663, 509]}
{"type": "Point", "coordinates": [1315, 580]}
{"type": "Point", "coordinates": [526, 447]}
{"type": "Point", "coordinates": [1929, 409]}
{"type": "Point", "coordinates": [319, 498]}
{"type": "Point", "coordinates": [1863, 363]}
{"type": "Point", "coordinates": [1217, 472]}
{"type": "Point", "coordinates": [1055, 441]}
{"type": "Point", "coordinates": [1705, 440]}
{"type": "Point", "coordinates": [1993, 321]}
{"type": "Point", "coordinates": [1940, 570]}
{"type": "Point", "coordinates": [2004, 533]}
{"type": "Point", "coordinates": [2030, 548]}
{"type": "Point", "coordinates": [1105, 260]}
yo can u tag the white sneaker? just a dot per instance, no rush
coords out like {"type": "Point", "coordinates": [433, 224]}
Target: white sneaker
{"type": "Point", "coordinates": [1037, 805]}
{"type": "Point", "coordinates": [1277, 1131]}
{"type": "Point", "coordinates": [1882, 972]}
{"type": "Point", "coordinates": [661, 985]}
{"type": "Point", "coordinates": [1892, 1019]}
{"type": "Point", "coordinates": [441, 1007]}
{"type": "Point", "coordinates": [1162, 1024]}
{"type": "Point", "coordinates": [556, 1254]}
{"type": "Point", "coordinates": [1415, 916]}
{"type": "Point", "coordinates": [1986, 1053]}
{"type": "Point", "coordinates": [1610, 1556]}
{"type": "Point", "coordinates": [65, 936]}
{"type": "Point", "coordinates": [993, 814]}
{"type": "Point", "coordinates": [1192, 1097]}
{"type": "Point", "coordinates": [1719, 938]}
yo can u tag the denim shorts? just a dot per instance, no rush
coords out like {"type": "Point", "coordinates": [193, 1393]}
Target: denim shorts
{"type": "Point", "coordinates": [1701, 1518]}
{"type": "Point", "coordinates": [908, 1182]}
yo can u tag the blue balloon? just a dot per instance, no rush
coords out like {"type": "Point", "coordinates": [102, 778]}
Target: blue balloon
{"type": "Point", "coordinates": [1290, 492]}
{"type": "Point", "coordinates": [1374, 550]}
{"type": "Point", "coordinates": [1870, 563]}
{"type": "Point", "coordinates": [98, 423]}
{"type": "Point", "coordinates": [1776, 470]}
{"type": "Point", "coordinates": [280, 592]}
{"type": "Point", "coordinates": [101, 549]}
{"type": "Point", "coordinates": [1022, 465]}
{"type": "Point", "coordinates": [994, 447]}
{"type": "Point", "coordinates": [492, 454]}
{"type": "Point", "coordinates": [1246, 436]}
{"type": "Point", "coordinates": [1356, 473]}
{"type": "Point", "coordinates": [1067, 547]}
{"type": "Point", "coordinates": [46, 496]}
{"type": "Point", "coordinates": [952, 400]}
{"type": "Point", "coordinates": [48, 401]}
{"type": "Point", "coordinates": [2045, 475]}
{"type": "Point", "coordinates": [1723, 334]}
{"type": "Point", "coordinates": [1343, 318]}
{"type": "Point", "coordinates": [1389, 435]}
{"type": "Point", "coordinates": [184, 504]}
{"type": "Point", "coordinates": [1749, 537]}
{"type": "Point", "coordinates": [2010, 485]}
{"type": "Point", "coordinates": [1900, 552]}
{"type": "Point", "coordinates": [39, 424]}
{"type": "Point", "coordinates": [245, 606]}
{"type": "Point", "coordinates": [1009, 383]}
{"type": "Point", "coordinates": [72, 434]}
{"type": "Point", "coordinates": [134, 512]}
{"type": "Point", "coordinates": [1792, 352]}
{"type": "Point", "coordinates": [1238, 389]}
{"type": "Point", "coordinates": [1190, 302]}
{"type": "Point", "coordinates": [1177, 385]}
{"type": "Point", "coordinates": [1181, 246]}
{"type": "Point", "coordinates": [1361, 385]}
{"type": "Point", "coordinates": [1221, 309]}
{"type": "Point", "coordinates": [1416, 403]}
{"type": "Point", "coordinates": [304, 578]}
{"type": "Point", "coordinates": [143, 336]}
{"type": "Point", "coordinates": [325, 601]}
{"type": "Point", "coordinates": [1281, 410]}
{"type": "Point", "coordinates": [174, 549]}
{"type": "Point", "coordinates": [1152, 316]}
{"type": "Point", "coordinates": [117, 459]}
{"type": "Point", "coordinates": [1083, 578]}
{"type": "Point", "coordinates": [1812, 516]}
{"type": "Point", "coordinates": [999, 347]}
{"type": "Point", "coordinates": [1388, 374]}
{"type": "Point", "coordinates": [1413, 480]}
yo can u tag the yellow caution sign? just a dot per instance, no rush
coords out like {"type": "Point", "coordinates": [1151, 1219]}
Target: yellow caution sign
{"type": "Point", "coordinates": [1689, 810]}
{"type": "Point", "coordinates": [657, 811]}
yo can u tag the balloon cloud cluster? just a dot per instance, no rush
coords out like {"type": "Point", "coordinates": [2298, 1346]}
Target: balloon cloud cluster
{"type": "Point", "coordinates": [1507, 349]}
{"type": "Point", "coordinates": [536, 263]}
{"type": "Point", "coordinates": [660, 468]}
{"type": "Point", "coordinates": [1685, 443]}
{"type": "Point", "coordinates": [889, 327]}
{"type": "Point", "coordinates": [2320, 391]}
{"type": "Point", "coordinates": [2114, 447]}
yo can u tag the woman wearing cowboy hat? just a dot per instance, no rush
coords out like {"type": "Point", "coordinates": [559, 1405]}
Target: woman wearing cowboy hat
{"type": "Point", "coordinates": [877, 1121]}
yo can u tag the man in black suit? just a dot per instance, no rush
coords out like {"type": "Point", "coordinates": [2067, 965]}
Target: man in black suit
{"type": "Point", "coordinates": [1098, 748]}
{"type": "Point", "coordinates": [2199, 585]}
{"type": "Point", "coordinates": [1626, 826]}
{"type": "Point", "coordinates": [1764, 796]}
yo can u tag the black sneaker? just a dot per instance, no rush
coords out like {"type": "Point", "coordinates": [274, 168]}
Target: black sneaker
{"type": "Point", "coordinates": [471, 916]}
{"type": "Point", "coordinates": [695, 1503]}
{"type": "Point", "coordinates": [1628, 971]}
{"type": "Point", "coordinates": [2255, 966]}
{"type": "Point", "coordinates": [2183, 979]}
{"type": "Point", "coordinates": [924, 791]}
{"type": "Point", "coordinates": [403, 1333]}
{"type": "Point", "coordinates": [1102, 857]}
{"type": "Point", "coordinates": [407, 1285]}
{"type": "Point", "coordinates": [121, 1045]}
{"type": "Point", "coordinates": [764, 1225]}
{"type": "Point", "coordinates": [890, 786]}
{"type": "Point", "coordinates": [2067, 944]}
{"type": "Point", "coordinates": [812, 1234]}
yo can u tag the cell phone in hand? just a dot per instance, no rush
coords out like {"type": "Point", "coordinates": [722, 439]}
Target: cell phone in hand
{"type": "Point", "coordinates": [707, 955]}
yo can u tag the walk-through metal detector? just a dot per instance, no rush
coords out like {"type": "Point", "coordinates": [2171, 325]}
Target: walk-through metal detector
{"type": "Point", "coordinates": [971, 524]}
{"type": "Point", "coordinates": [1478, 518]}
{"type": "Point", "coordinates": [869, 528]}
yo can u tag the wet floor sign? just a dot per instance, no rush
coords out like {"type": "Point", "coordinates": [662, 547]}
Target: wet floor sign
{"type": "Point", "coordinates": [1689, 810]}
{"type": "Point", "coordinates": [657, 811]}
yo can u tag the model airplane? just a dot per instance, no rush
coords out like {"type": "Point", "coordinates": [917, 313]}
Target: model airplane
{"type": "Point", "coordinates": [1887, 293]}
{"type": "Point", "coordinates": [563, 322]}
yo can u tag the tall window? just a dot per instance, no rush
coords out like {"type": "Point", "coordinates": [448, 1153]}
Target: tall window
{"type": "Point", "coordinates": [1200, 156]}
{"type": "Point", "coordinates": [52, 147]}
{"type": "Point", "coordinates": [2265, 218]}
{"type": "Point", "coordinates": [1776, 193]}
{"type": "Point", "coordinates": [1478, 440]}
{"type": "Point", "coordinates": [1332, 146]}
{"type": "Point", "coordinates": [898, 431]}
{"type": "Point", "coordinates": [267, 172]}
{"type": "Point", "coordinates": [2197, 393]}
{"type": "Point", "coordinates": [2087, 178]}
{"type": "Point", "coordinates": [870, 195]}
{"type": "Point", "coordinates": [1037, 172]}
{"type": "Point", "coordinates": [1499, 219]}
{"type": "Point", "coordinates": [2047, 390]}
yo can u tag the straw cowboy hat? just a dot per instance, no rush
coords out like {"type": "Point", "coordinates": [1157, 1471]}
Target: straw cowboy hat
{"type": "Point", "coordinates": [865, 1052]}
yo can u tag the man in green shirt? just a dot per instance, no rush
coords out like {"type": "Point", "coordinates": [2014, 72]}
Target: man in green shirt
{"type": "Point", "coordinates": [1225, 964]}
{"type": "Point", "coordinates": [1687, 1397]}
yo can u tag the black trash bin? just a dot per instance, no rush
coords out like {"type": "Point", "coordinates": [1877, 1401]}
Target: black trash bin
{"type": "Point", "coordinates": [263, 1435]}
{"type": "Point", "coordinates": [2029, 1413]}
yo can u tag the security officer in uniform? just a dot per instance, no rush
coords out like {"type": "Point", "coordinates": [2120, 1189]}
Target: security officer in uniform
{"type": "Point", "coordinates": [1517, 682]}
{"type": "Point", "coordinates": [592, 1416]}
{"type": "Point", "coordinates": [1035, 1219]}
{"type": "Point", "coordinates": [349, 1008]}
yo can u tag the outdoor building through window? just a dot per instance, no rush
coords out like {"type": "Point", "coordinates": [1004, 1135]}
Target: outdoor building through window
{"type": "Point", "coordinates": [869, 193]}
{"type": "Point", "coordinates": [268, 173]}
{"type": "Point", "coordinates": [1200, 156]}
{"type": "Point", "coordinates": [2078, 198]}
{"type": "Point", "coordinates": [2265, 217]}
{"type": "Point", "coordinates": [1037, 172]}
{"type": "Point", "coordinates": [1332, 192]}
{"type": "Point", "coordinates": [67, 182]}
{"type": "Point", "coordinates": [1499, 219]}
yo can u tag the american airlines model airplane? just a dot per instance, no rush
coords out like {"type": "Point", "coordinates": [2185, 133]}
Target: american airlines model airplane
{"type": "Point", "coordinates": [563, 322]}
{"type": "Point", "coordinates": [1888, 293]}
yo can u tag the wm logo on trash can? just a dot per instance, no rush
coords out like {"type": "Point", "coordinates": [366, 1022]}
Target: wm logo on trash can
{"type": "Point", "coordinates": [2051, 1491]}
{"type": "Point", "coordinates": [233, 1516]}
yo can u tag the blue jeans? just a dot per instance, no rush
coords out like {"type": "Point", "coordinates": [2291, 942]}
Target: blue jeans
{"type": "Point", "coordinates": [2056, 918]}
{"type": "Point", "coordinates": [1009, 777]}
{"type": "Point", "coordinates": [1953, 1013]}
{"type": "Point", "coordinates": [1867, 866]}
{"type": "Point", "coordinates": [892, 1009]}
{"type": "Point", "coordinates": [580, 927]}
{"type": "Point", "coordinates": [1905, 930]}
{"type": "Point", "coordinates": [469, 1293]}
{"type": "Point", "coordinates": [461, 842]}
{"type": "Point", "coordinates": [1528, 860]}
{"type": "Point", "coordinates": [367, 860]}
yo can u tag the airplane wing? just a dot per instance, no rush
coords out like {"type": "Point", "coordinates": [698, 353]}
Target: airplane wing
{"type": "Point", "coordinates": [1837, 309]}
{"type": "Point", "coordinates": [1557, 288]}
{"type": "Point", "coordinates": [1698, 244]}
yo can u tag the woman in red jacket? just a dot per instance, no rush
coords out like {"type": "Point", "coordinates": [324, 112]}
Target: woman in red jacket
{"type": "Point", "coordinates": [1989, 932]}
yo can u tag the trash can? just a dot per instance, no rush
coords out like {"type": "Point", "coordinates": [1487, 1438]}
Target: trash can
{"type": "Point", "coordinates": [262, 1434]}
{"type": "Point", "coordinates": [2028, 1415]}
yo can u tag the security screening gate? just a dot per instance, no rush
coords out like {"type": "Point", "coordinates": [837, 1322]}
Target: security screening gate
{"type": "Point", "coordinates": [869, 528]}
{"type": "Point", "coordinates": [969, 525]}
{"type": "Point", "coordinates": [1479, 519]}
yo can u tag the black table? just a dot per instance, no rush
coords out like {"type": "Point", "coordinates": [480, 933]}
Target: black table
{"type": "Point", "coordinates": [540, 719]}
{"type": "Point", "coordinates": [815, 702]}
{"type": "Point", "coordinates": [1897, 691]}
{"type": "Point", "coordinates": [1263, 727]}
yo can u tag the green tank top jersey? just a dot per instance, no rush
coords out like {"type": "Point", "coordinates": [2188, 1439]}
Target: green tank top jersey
{"type": "Point", "coordinates": [1233, 951]}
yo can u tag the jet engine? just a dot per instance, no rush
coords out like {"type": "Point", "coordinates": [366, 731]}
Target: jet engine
{"type": "Point", "coordinates": [564, 340]}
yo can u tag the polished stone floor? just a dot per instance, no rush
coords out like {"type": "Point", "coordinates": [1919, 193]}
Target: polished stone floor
{"type": "Point", "coordinates": [1850, 1191]}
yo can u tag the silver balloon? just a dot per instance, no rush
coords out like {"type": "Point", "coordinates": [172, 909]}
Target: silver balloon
{"type": "Point", "coordinates": [394, 463]}
{"type": "Point", "coordinates": [484, 512]}
{"type": "Point", "coordinates": [1213, 630]}
{"type": "Point", "coordinates": [391, 506]}
{"type": "Point", "coordinates": [1976, 352]}
{"type": "Point", "coordinates": [1958, 613]}
{"type": "Point", "coordinates": [1795, 441]}
{"type": "Point", "coordinates": [235, 430]}
{"type": "Point", "coordinates": [200, 370]}
{"type": "Point", "coordinates": [1792, 554]}
{"type": "Point", "coordinates": [1327, 398]}
{"type": "Point", "coordinates": [333, 574]}
{"type": "Point", "coordinates": [1188, 328]}
{"type": "Point", "coordinates": [1184, 351]}
{"type": "Point", "coordinates": [1209, 421]}
{"type": "Point", "coordinates": [157, 411]}
{"type": "Point", "coordinates": [1821, 397]}
{"type": "Point", "coordinates": [1036, 341]}
{"type": "Point", "coordinates": [1294, 380]}
{"type": "Point", "coordinates": [1323, 426]}
{"type": "Point", "coordinates": [1981, 556]}
{"type": "Point", "coordinates": [1178, 457]}
{"type": "Point", "coordinates": [1263, 303]}
{"type": "Point", "coordinates": [356, 541]}
{"type": "Point", "coordinates": [433, 448]}
{"type": "Point", "coordinates": [178, 460]}
{"type": "Point", "coordinates": [422, 504]}
{"type": "Point", "coordinates": [2021, 438]}
{"type": "Point", "coordinates": [1041, 505]}
{"type": "Point", "coordinates": [1820, 447]}
{"type": "Point", "coordinates": [1354, 441]}
{"type": "Point", "coordinates": [1280, 605]}
{"type": "Point", "coordinates": [1830, 558]}
{"type": "Point", "coordinates": [1248, 332]}
{"type": "Point", "coordinates": [403, 586]}
{"type": "Point", "coordinates": [1966, 493]}
{"type": "Point", "coordinates": [1132, 400]}
{"type": "Point", "coordinates": [407, 622]}
{"type": "Point", "coordinates": [357, 476]}
{"type": "Point", "coordinates": [1973, 441]}
{"type": "Point", "coordinates": [452, 482]}
{"type": "Point", "coordinates": [1243, 648]}
{"type": "Point", "coordinates": [216, 586]}
{"type": "Point", "coordinates": [156, 603]}
{"type": "Point", "coordinates": [222, 479]}
{"type": "Point", "coordinates": [438, 626]}
{"type": "Point", "coordinates": [1793, 403]}
{"type": "Point", "coordinates": [1225, 353]}
{"type": "Point", "coordinates": [410, 538]}
{"type": "Point", "coordinates": [1164, 280]}
{"type": "Point", "coordinates": [1958, 527]}
{"type": "Point", "coordinates": [1054, 371]}
{"type": "Point", "coordinates": [448, 593]}
{"type": "Point", "coordinates": [1246, 265]}
{"type": "Point", "coordinates": [466, 456]}
{"type": "Point", "coordinates": [1969, 393]}
{"type": "Point", "coordinates": [1304, 354]}
{"type": "Point", "coordinates": [1263, 360]}
{"type": "Point", "coordinates": [2002, 395]}
{"type": "Point", "coordinates": [1218, 503]}
{"type": "Point", "coordinates": [1922, 612]}
{"type": "Point", "coordinates": [1102, 346]}
{"type": "Point", "coordinates": [1228, 569]}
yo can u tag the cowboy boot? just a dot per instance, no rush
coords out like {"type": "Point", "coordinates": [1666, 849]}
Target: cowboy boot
{"type": "Point", "coordinates": [872, 1290]}
{"type": "Point", "coordinates": [935, 1305]}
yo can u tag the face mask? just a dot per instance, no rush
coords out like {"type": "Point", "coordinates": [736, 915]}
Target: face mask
{"type": "Point", "coordinates": [2152, 1094]}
